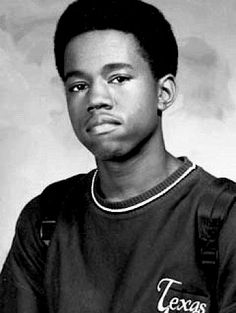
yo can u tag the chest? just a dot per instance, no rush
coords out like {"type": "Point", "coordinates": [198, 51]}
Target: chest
{"type": "Point", "coordinates": [147, 263]}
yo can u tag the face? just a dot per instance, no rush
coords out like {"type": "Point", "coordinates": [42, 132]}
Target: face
{"type": "Point", "coordinates": [111, 93]}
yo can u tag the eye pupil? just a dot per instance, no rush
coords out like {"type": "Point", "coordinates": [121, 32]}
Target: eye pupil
{"type": "Point", "coordinates": [79, 87]}
{"type": "Point", "coordinates": [120, 79]}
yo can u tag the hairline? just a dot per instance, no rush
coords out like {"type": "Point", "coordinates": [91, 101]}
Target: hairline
{"type": "Point", "coordinates": [140, 49]}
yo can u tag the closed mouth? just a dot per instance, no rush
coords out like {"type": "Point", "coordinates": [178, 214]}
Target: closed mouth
{"type": "Point", "coordinates": [102, 123]}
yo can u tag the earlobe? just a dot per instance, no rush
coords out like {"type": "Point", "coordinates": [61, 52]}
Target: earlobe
{"type": "Point", "coordinates": [166, 92]}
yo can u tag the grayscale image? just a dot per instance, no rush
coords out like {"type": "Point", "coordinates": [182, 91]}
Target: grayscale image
{"type": "Point", "coordinates": [118, 144]}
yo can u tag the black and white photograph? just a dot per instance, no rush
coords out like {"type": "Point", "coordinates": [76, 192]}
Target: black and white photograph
{"type": "Point", "coordinates": [117, 163]}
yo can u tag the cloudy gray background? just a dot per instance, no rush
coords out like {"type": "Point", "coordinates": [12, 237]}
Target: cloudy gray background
{"type": "Point", "coordinates": [37, 142]}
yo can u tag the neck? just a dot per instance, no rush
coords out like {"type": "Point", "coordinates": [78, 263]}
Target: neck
{"type": "Point", "coordinates": [123, 180]}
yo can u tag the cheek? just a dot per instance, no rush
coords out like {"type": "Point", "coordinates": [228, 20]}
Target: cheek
{"type": "Point", "coordinates": [72, 114]}
{"type": "Point", "coordinates": [75, 112]}
{"type": "Point", "coordinates": [75, 122]}
{"type": "Point", "coordinates": [143, 108]}
{"type": "Point", "coordinates": [144, 95]}
{"type": "Point", "coordinates": [143, 119]}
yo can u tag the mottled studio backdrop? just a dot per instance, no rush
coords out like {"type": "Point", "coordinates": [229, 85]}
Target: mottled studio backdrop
{"type": "Point", "coordinates": [36, 140]}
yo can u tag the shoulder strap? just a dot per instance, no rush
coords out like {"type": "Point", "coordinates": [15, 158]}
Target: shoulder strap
{"type": "Point", "coordinates": [214, 208]}
{"type": "Point", "coordinates": [215, 205]}
{"type": "Point", "coordinates": [46, 230]}
{"type": "Point", "coordinates": [52, 200]}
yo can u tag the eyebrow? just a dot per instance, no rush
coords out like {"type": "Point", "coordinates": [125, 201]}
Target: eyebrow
{"type": "Point", "coordinates": [106, 69]}
{"type": "Point", "coordinates": [117, 66]}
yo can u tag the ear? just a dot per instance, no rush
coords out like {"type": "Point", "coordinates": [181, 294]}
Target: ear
{"type": "Point", "coordinates": [166, 92]}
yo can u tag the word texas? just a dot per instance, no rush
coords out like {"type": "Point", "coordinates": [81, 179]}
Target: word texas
{"type": "Point", "coordinates": [175, 303]}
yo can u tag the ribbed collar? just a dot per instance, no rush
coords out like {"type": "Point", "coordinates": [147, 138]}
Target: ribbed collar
{"type": "Point", "coordinates": [148, 196]}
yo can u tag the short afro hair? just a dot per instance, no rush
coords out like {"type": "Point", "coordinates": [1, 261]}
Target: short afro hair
{"type": "Point", "coordinates": [149, 26]}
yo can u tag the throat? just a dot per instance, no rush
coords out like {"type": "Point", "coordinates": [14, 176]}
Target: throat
{"type": "Point", "coordinates": [119, 184]}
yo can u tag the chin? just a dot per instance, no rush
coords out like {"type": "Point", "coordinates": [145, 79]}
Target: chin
{"type": "Point", "coordinates": [116, 151]}
{"type": "Point", "coordinates": [116, 155]}
{"type": "Point", "coordinates": [108, 153]}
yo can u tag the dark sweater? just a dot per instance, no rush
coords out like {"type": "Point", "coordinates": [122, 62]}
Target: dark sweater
{"type": "Point", "coordinates": [134, 256]}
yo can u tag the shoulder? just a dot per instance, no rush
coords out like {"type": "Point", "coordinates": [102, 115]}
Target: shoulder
{"type": "Point", "coordinates": [49, 201]}
{"type": "Point", "coordinates": [65, 185]}
{"type": "Point", "coordinates": [209, 182]}
{"type": "Point", "coordinates": [216, 195]}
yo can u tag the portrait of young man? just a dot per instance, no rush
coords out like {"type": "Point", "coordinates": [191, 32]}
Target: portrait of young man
{"type": "Point", "coordinates": [145, 231]}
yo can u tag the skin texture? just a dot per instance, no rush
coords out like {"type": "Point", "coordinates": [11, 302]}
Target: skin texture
{"type": "Point", "coordinates": [113, 100]}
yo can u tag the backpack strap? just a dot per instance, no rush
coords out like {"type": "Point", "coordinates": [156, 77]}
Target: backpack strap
{"type": "Point", "coordinates": [215, 205]}
{"type": "Point", "coordinates": [47, 228]}
{"type": "Point", "coordinates": [52, 200]}
{"type": "Point", "coordinates": [214, 208]}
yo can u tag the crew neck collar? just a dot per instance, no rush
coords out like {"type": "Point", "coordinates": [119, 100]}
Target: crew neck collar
{"type": "Point", "coordinates": [148, 196]}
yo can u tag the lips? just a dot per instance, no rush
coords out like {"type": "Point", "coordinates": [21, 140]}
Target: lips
{"type": "Point", "coordinates": [102, 124]}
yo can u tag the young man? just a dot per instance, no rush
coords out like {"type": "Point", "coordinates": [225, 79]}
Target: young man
{"type": "Point", "coordinates": [126, 234]}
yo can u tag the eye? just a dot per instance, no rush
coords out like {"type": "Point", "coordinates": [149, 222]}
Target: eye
{"type": "Point", "coordinates": [119, 79]}
{"type": "Point", "coordinates": [78, 87]}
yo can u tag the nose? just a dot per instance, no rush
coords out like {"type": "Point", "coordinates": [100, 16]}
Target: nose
{"type": "Point", "coordinates": [99, 97]}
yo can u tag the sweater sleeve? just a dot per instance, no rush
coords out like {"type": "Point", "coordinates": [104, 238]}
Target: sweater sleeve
{"type": "Point", "coordinates": [227, 264]}
{"type": "Point", "coordinates": [21, 279]}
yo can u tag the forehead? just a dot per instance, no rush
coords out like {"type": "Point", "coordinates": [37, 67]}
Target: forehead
{"type": "Point", "coordinates": [97, 48]}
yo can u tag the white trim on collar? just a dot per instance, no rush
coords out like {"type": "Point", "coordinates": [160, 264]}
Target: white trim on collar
{"type": "Point", "coordinates": [142, 203]}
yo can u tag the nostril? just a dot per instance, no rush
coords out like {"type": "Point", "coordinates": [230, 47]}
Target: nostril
{"type": "Point", "coordinates": [90, 108]}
